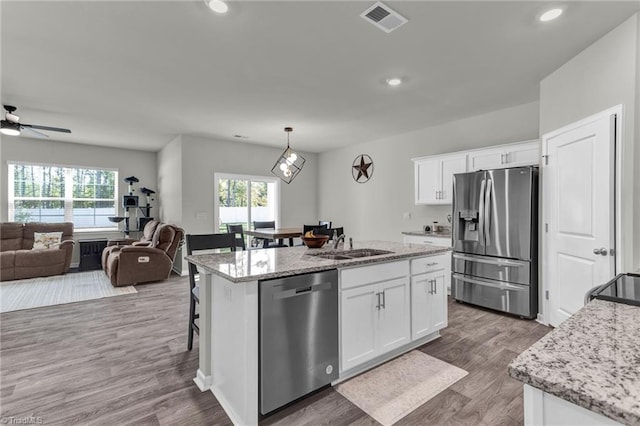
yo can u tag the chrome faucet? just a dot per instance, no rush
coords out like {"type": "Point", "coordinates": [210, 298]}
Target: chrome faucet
{"type": "Point", "coordinates": [336, 241]}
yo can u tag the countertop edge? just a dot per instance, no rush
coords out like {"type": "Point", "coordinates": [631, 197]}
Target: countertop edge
{"type": "Point", "coordinates": [338, 264]}
{"type": "Point", "coordinates": [580, 399]}
{"type": "Point", "coordinates": [528, 367]}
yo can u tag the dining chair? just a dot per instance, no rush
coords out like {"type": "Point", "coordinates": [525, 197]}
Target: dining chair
{"type": "Point", "coordinates": [238, 231]}
{"type": "Point", "coordinates": [330, 231]}
{"type": "Point", "coordinates": [266, 242]}
{"type": "Point", "coordinates": [307, 228]}
{"type": "Point", "coordinates": [323, 222]}
{"type": "Point", "coordinates": [199, 242]}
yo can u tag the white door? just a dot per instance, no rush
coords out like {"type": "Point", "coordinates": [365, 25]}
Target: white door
{"type": "Point", "coordinates": [395, 322]}
{"type": "Point", "coordinates": [486, 159]}
{"type": "Point", "coordinates": [578, 199]}
{"type": "Point", "coordinates": [427, 175]}
{"type": "Point", "coordinates": [451, 166]}
{"type": "Point", "coordinates": [523, 155]}
{"type": "Point", "coordinates": [438, 302]}
{"type": "Point", "coordinates": [359, 325]}
{"type": "Point", "coordinates": [420, 285]}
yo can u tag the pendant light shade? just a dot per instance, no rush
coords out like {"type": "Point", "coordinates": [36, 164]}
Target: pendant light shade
{"type": "Point", "coordinates": [289, 164]}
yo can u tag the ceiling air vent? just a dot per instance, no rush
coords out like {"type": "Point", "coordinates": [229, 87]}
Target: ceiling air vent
{"type": "Point", "coordinates": [383, 17]}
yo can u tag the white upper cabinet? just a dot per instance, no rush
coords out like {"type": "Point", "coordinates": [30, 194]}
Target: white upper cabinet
{"type": "Point", "coordinates": [511, 155]}
{"type": "Point", "coordinates": [434, 174]}
{"type": "Point", "coordinates": [434, 177]}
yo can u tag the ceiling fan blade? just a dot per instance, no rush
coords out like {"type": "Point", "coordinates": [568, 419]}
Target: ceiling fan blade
{"type": "Point", "coordinates": [27, 131]}
{"type": "Point", "coordinates": [51, 129]}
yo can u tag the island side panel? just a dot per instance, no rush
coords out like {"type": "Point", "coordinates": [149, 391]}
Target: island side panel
{"type": "Point", "coordinates": [203, 375]}
{"type": "Point", "coordinates": [234, 357]}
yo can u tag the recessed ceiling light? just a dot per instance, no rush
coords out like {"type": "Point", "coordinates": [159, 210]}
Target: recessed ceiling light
{"type": "Point", "coordinates": [394, 81]}
{"type": "Point", "coordinates": [550, 15]}
{"type": "Point", "coordinates": [217, 6]}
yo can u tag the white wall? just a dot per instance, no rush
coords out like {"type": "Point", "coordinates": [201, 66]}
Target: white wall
{"type": "Point", "coordinates": [170, 182]}
{"type": "Point", "coordinates": [202, 158]}
{"type": "Point", "coordinates": [604, 75]}
{"type": "Point", "coordinates": [374, 210]}
{"type": "Point", "coordinates": [141, 164]}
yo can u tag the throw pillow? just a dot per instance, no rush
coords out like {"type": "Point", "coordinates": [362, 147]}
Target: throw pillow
{"type": "Point", "coordinates": [46, 240]}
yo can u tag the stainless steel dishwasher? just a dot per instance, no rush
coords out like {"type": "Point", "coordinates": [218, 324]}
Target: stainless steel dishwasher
{"type": "Point", "coordinates": [298, 336]}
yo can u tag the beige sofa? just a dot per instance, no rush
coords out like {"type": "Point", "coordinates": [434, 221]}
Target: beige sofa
{"type": "Point", "coordinates": [19, 261]}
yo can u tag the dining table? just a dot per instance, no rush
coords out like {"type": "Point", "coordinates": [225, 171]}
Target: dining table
{"type": "Point", "coordinates": [276, 234]}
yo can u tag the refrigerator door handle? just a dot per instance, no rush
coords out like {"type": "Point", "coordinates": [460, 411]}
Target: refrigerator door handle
{"type": "Point", "coordinates": [504, 286]}
{"type": "Point", "coordinates": [487, 209]}
{"type": "Point", "coordinates": [481, 211]}
{"type": "Point", "coordinates": [490, 260]}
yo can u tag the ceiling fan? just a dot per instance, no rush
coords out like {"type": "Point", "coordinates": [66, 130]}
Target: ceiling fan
{"type": "Point", "coordinates": [12, 127]}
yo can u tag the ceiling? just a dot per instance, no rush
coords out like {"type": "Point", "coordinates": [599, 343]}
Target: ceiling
{"type": "Point", "coordinates": [135, 74]}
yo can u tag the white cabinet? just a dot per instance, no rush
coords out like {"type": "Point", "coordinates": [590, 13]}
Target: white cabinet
{"type": "Point", "coordinates": [427, 239]}
{"type": "Point", "coordinates": [375, 311]}
{"type": "Point", "coordinates": [435, 241]}
{"type": "Point", "coordinates": [434, 178]}
{"type": "Point", "coordinates": [510, 155]}
{"type": "Point", "coordinates": [428, 304]}
{"type": "Point", "coordinates": [429, 294]}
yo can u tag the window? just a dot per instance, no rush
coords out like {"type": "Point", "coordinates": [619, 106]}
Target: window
{"type": "Point", "coordinates": [47, 193]}
{"type": "Point", "coordinates": [245, 199]}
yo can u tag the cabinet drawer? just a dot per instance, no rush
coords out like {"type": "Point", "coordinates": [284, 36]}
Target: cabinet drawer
{"type": "Point", "coordinates": [428, 240]}
{"type": "Point", "coordinates": [430, 264]}
{"type": "Point", "coordinates": [368, 274]}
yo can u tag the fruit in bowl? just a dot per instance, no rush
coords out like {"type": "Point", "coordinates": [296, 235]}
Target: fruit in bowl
{"type": "Point", "coordinates": [314, 241]}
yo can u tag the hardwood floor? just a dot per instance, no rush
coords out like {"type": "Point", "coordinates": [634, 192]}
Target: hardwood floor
{"type": "Point", "coordinates": [123, 360]}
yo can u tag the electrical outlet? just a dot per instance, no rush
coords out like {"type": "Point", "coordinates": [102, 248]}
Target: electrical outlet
{"type": "Point", "coordinates": [406, 215]}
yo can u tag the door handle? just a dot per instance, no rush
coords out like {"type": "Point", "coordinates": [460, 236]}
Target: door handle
{"type": "Point", "coordinates": [435, 287]}
{"type": "Point", "coordinates": [378, 305]}
{"type": "Point", "coordinates": [487, 209]}
{"type": "Point", "coordinates": [384, 300]}
{"type": "Point", "coordinates": [483, 185]}
{"type": "Point", "coordinates": [601, 251]}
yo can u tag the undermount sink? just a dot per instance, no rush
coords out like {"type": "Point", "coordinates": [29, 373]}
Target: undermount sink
{"type": "Point", "coordinates": [332, 256]}
{"type": "Point", "coordinates": [350, 254]}
{"type": "Point", "coordinates": [365, 252]}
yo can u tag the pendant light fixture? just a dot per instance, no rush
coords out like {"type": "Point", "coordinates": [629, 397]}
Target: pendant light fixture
{"type": "Point", "coordinates": [289, 164]}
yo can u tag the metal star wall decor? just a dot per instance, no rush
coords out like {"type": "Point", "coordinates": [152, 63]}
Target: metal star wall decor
{"type": "Point", "coordinates": [362, 168]}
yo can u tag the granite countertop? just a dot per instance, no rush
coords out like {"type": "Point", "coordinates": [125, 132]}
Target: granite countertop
{"type": "Point", "coordinates": [421, 233]}
{"type": "Point", "coordinates": [251, 265]}
{"type": "Point", "coordinates": [592, 359]}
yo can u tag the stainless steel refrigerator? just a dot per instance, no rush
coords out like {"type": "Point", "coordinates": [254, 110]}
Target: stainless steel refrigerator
{"type": "Point", "coordinates": [495, 234]}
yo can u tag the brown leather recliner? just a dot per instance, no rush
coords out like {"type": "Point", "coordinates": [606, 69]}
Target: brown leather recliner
{"type": "Point", "coordinates": [131, 264]}
{"type": "Point", "coordinates": [147, 235]}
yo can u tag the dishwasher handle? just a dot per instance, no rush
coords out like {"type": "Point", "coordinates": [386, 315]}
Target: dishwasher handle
{"type": "Point", "coordinates": [301, 291]}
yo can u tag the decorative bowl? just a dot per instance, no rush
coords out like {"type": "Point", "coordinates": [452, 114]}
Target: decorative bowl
{"type": "Point", "coordinates": [115, 219]}
{"type": "Point", "coordinates": [315, 242]}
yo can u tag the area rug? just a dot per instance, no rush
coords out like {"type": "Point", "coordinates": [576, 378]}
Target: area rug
{"type": "Point", "coordinates": [391, 391]}
{"type": "Point", "coordinates": [56, 290]}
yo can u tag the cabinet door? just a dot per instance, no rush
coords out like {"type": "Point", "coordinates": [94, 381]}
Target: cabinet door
{"type": "Point", "coordinates": [486, 159]}
{"type": "Point", "coordinates": [427, 181]}
{"type": "Point", "coordinates": [450, 166]}
{"type": "Point", "coordinates": [420, 287]}
{"type": "Point", "coordinates": [523, 155]}
{"type": "Point", "coordinates": [437, 305]}
{"type": "Point", "coordinates": [394, 314]}
{"type": "Point", "coordinates": [359, 325]}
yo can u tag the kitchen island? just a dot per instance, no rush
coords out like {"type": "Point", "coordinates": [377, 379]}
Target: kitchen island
{"type": "Point", "coordinates": [586, 371]}
{"type": "Point", "coordinates": [229, 311]}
